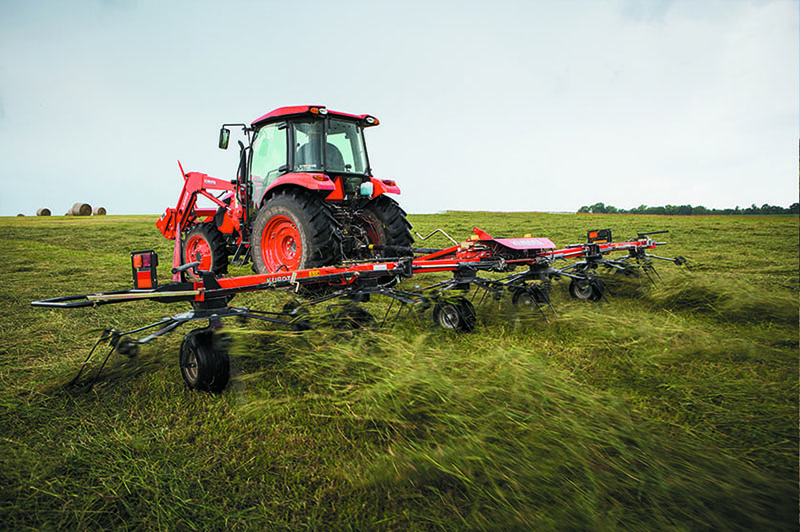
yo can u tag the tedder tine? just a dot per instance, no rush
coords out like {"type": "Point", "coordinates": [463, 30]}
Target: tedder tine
{"type": "Point", "coordinates": [103, 365]}
{"type": "Point", "coordinates": [103, 336]}
{"type": "Point", "coordinates": [388, 310]}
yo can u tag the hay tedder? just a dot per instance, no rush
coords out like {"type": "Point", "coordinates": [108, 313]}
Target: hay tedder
{"type": "Point", "coordinates": [204, 360]}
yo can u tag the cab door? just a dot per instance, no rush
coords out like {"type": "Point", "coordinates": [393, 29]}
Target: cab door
{"type": "Point", "coordinates": [269, 158]}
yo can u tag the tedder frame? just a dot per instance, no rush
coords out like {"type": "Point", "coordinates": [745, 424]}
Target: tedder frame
{"type": "Point", "coordinates": [204, 360]}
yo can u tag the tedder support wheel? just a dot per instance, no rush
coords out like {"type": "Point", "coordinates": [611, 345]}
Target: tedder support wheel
{"type": "Point", "coordinates": [529, 296]}
{"type": "Point", "coordinates": [294, 230]}
{"type": "Point", "coordinates": [204, 360]}
{"type": "Point", "coordinates": [352, 317]}
{"type": "Point", "coordinates": [585, 290]}
{"type": "Point", "coordinates": [207, 240]}
{"type": "Point", "coordinates": [457, 314]}
{"type": "Point", "coordinates": [385, 223]}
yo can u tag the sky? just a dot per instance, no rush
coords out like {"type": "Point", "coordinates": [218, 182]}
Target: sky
{"type": "Point", "coordinates": [522, 105]}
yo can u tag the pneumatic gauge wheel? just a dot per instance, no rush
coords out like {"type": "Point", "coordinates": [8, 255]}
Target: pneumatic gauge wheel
{"type": "Point", "coordinates": [204, 360]}
{"type": "Point", "coordinates": [584, 289]}
{"type": "Point", "coordinates": [456, 314]}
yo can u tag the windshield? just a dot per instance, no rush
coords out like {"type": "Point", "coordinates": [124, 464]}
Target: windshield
{"type": "Point", "coordinates": [344, 147]}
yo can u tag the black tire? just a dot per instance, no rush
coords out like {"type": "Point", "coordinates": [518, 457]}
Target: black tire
{"type": "Point", "coordinates": [206, 239]}
{"type": "Point", "coordinates": [385, 223]}
{"type": "Point", "coordinates": [584, 290]}
{"type": "Point", "coordinates": [294, 231]}
{"type": "Point", "coordinates": [457, 314]}
{"type": "Point", "coordinates": [204, 360]}
{"type": "Point", "coordinates": [353, 317]}
{"type": "Point", "coordinates": [529, 296]}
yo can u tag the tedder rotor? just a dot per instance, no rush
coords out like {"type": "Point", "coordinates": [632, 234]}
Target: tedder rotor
{"type": "Point", "coordinates": [203, 355]}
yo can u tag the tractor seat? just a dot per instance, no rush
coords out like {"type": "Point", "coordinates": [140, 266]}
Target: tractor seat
{"type": "Point", "coordinates": [307, 155]}
{"type": "Point", "coordinates": [333, 158]}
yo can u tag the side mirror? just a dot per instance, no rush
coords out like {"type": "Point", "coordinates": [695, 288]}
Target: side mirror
{"type": "Point", "coordinates": [224, 137]}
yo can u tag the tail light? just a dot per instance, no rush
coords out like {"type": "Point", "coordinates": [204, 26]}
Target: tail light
{"type": "Point", "coordinates": [144, 266]}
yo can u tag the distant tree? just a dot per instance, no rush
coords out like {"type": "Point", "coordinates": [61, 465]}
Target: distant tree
{"type": "Point", "coordinates": [598, 208]}
{"type": "Point", "coordinates": [688, 210]}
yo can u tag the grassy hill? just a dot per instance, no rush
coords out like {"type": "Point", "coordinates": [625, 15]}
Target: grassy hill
{"type": "Point", "coordinates": [669, 408]}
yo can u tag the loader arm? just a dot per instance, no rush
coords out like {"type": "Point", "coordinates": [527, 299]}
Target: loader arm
{"type": "Point", "coordinates": [174, 221]}
{"type": "Point", "coordinates": [195, 184]}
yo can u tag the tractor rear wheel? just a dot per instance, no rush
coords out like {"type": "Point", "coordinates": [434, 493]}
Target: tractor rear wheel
{"type": "Point", "coordinates": [209, 242]}
{"type": "Point", "coordinates": [385, 223]}
{"type": "Point", "coordinates": [205, 364]}
{"type": "Point", "coordinates": [294, 231]}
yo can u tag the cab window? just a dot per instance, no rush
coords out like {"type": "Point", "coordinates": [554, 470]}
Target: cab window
{"type": "Point", "coordinates": [269, 154]}
{"type": "Point", "coordinates": [308, 146]}
{"type": "Point", "coordinates": [344, 151]}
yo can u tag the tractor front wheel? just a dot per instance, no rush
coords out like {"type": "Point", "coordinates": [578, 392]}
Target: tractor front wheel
{"type": "Point", "coordinates": [209, 242]}
{"type": "Point", "coordinates": [294, 231]}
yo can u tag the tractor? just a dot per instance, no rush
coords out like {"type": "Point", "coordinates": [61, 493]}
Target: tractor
{"type": "Point", "coordinates": [304, 197]}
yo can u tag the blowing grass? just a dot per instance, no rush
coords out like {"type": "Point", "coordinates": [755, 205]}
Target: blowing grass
{"type": "Point", "coordinates": [671, 407]}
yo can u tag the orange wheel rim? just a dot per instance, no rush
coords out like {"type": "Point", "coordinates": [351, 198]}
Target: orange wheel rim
{"type": "Point", "coordinates": [197, 244]}
{"type": "Point", "coordinates": [281, 244]}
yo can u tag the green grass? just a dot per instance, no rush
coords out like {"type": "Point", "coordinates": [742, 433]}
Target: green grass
{"type": "Point", "coordinates": [669, 408]}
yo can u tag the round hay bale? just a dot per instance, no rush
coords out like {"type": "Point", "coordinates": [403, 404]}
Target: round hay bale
{"type": "Point", "coordinates": [99, 211]}
{"type": "Point", "coordinates": [44, 211]}
{"type": "Point", "coordinates": [20, 215]}
{"type": "Point", "coordinates": [81, 209]}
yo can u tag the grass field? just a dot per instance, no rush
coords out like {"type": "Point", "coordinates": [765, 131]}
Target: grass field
{"type": "Point", "coordinates": [669, 408]}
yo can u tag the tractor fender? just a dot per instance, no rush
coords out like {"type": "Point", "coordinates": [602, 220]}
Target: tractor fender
{"type": "Point", "coordinates": [313, 182]}
{"type": "Point", "coordinates": [383, 186]}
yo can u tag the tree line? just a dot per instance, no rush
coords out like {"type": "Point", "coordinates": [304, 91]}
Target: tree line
{"type": "Point", "coordinates": [689, 210]}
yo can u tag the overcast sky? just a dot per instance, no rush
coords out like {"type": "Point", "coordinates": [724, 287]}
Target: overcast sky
{"type": "Point", "coordinates": [502, 105]}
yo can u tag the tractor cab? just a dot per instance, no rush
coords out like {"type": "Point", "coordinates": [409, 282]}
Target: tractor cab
{"type": "Point", "coordinates": [310, 147]}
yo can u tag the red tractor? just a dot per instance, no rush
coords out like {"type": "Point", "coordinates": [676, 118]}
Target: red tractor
{"type": "Point", "coordinates": [304, 197]}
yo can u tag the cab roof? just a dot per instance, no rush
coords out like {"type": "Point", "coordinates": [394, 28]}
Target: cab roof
{"type": "Point", "coordinates": [315, 110]}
